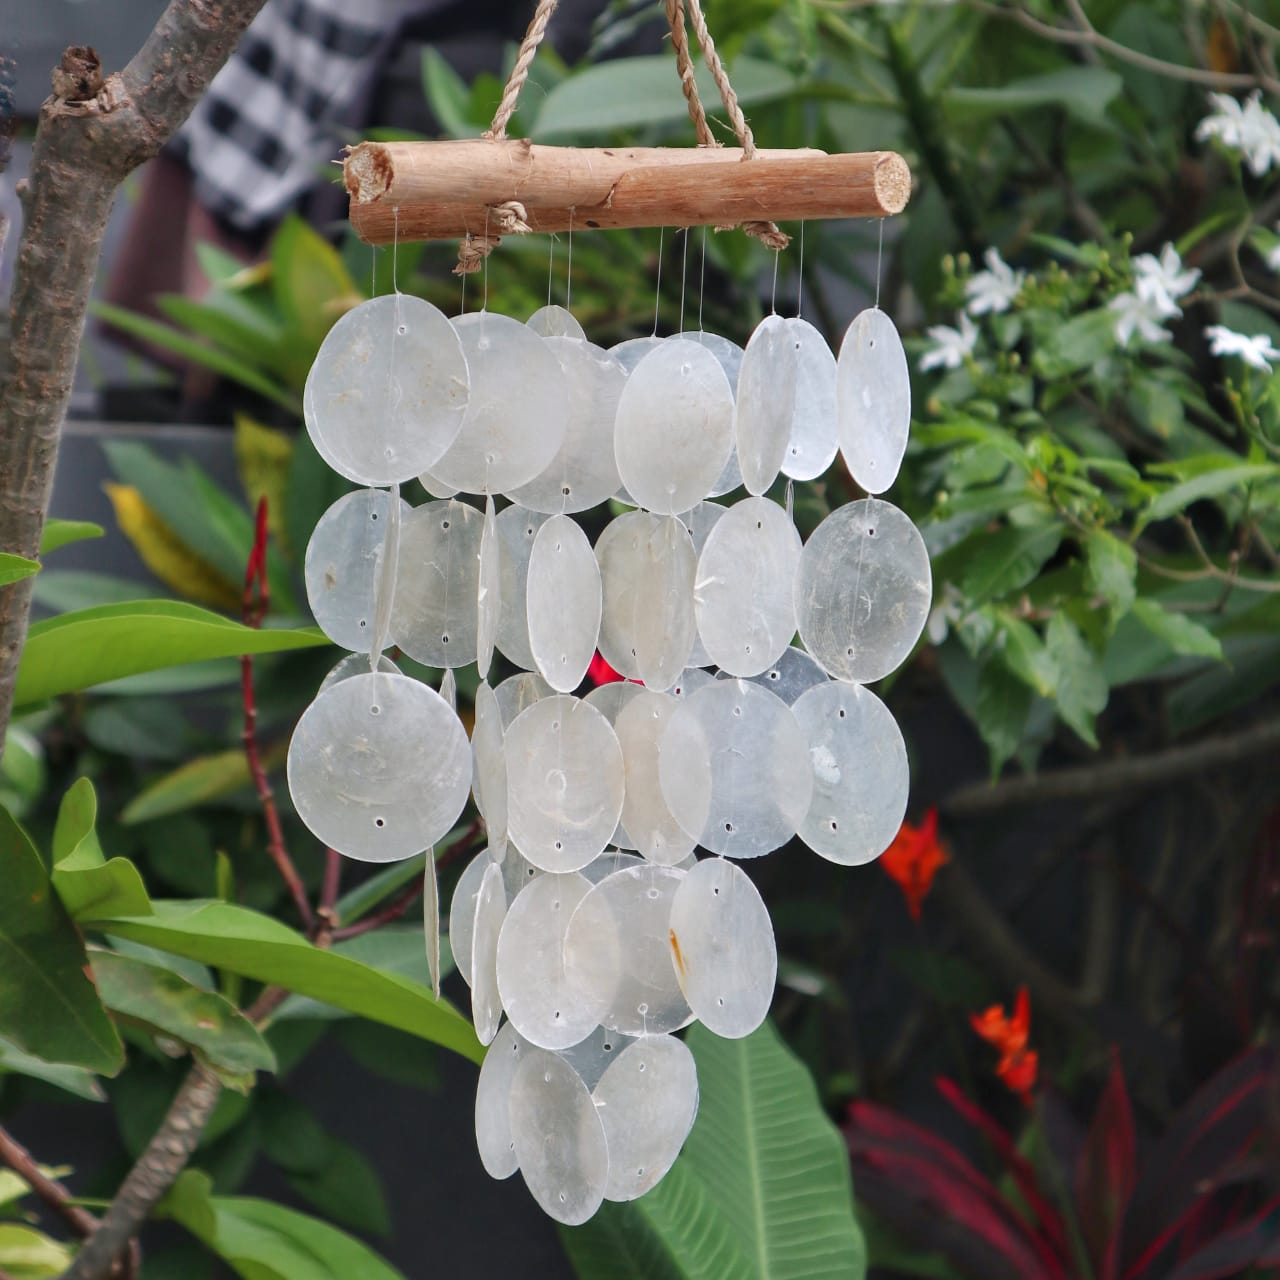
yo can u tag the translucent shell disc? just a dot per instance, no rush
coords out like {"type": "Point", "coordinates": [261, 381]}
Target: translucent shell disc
{"type": "Point", "coordinates": [517, 528]}
{"type": "Point", "coordinates": [766, 402]}
{"type": "Point", "coordinates": [609, 699]}
{"type": "Point", "coordinates": [379, 767]}
{"type": "Point", "coordinates": [343, 564]}
{"type": "Point", "coordinates": [356, 664]}
{"type": "Point", "coordinates": [489, 777]}
{"type": "Point", "coordinates": [691, 678]}
{"type": "Point", "coordinates": [863, 590]}
{"type": "Point", "coordinates": [674, 427]}
{"type": "Point", "coordinates": [583, 473]}
{"type": "Point", "coordinates": [860, 775]}
{"type": "Point", "coordinates": [700, 521]}
{"type": "Point", "coordinates": [629, 353]}
{"type": "Point", "coordinates": [645, 815]}
{"type": "Point", "coordinates": [462, 911]}
{"type": "Point", "coordinates": [744, 595]}
{"type": "Point", "coordinates": [647, 1101]}
{"type": "Point", "coordinates": [554, 321]}
{"type": "Point", "coordinates": [729, 354]}
{"type": "Point", "coordinates": [814, 435]}
{"type": "Point", "coordinates": [874, 405]}
{"type": "Point", "coordinates": [435, 616]}
{"type": "Point", "coordinates": [518, 692]}
{"type": "Point", "coordinates": [591, 1057]}
{"type": "Point", "coordinates": [493, 1103]}
{"type": "Point", "coordinates": [727, 958]}
{"type": "Point", "coordinates": [734, 769]}
{"type": "Point", "coordinates": [388, 390]}
{"type": "Point", "coordinates": [488, 589]}
{"type": "Point", "coordinates": [559, 1138]}
{"type": "Point", "coordinates": [608, 862]}
{"type": "Point", "coordinates": [515, 419]}
{"type": "Point", "coordinates": [563, 603]}
{"type": "Point", "coordinates": [491, 910]}
{"type": "Point", "coordinates": [793, 673]}
{"type": "Point", "coordinates": [536, 995]}
{"type": "Point", "coordinates": [564, 783]}
{"type": "Point", "coordinates": [617, 951]}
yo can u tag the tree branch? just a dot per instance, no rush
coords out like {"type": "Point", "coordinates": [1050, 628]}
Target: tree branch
{"type": "Point", "coordinates": [54, 1194]}
{"type": "Point", "coordinates": [92, 134]}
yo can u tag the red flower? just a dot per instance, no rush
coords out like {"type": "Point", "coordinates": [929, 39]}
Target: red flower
{"type": "Point", "coordinates": [600, 672]}
{"type": "Point", "coordinates": [914, 858]}
{"type": "Point", "coordinates": [1018, 1065]}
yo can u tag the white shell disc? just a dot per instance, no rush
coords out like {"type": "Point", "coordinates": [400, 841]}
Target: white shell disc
{"type": "Point", "coordinates": [591, 1057]}
{"type": "Point", "coordinates": [489, 776]}
{"type": "Point", "coordinates": [515, 418]}
{"type": "Point", "coordinates": [449, 688]}
{"type": "Point", "coordinates": [583, 473]}
{"type": "Point", "coordinates": [493, 1103]}
{"type": "Point", "coordinates": [729, 354]}
{"type": "Point", "coordinates": [517, 871]}
{"type": "Point", "coordinates": [431, 919]}
{"type": "Point", "coordinates": [564, 783]}
{"type": "Point", "coordinates": [563, 603]}
{"type": "Point", "coordinates": [863, 590]}
{"type": "Point", "coordinates": [517, 528]}
{"type": "Point", "coordinates": [793, 673]}
{"type": "Point", "coordinates": [860, 774]}
{"type": "Point", "coordinates": [700, 521]}
{"type": "Point", "coordinates": [435, 486]}
{"type": "Point", "coordinates": [462, 911]}
{"type": "Point", "coordinates": [608, 862]}
{"type": "Point", "coordinates": [744, 595]}
{"type": "Point", "coordinates": [617, 951]}
{"type": "Point", "coordinates": [874, 400]}
{"type": "Point", "coordinates": [609, 699]}
{"type": "Point", "coordinates": [647, 1101]}
{"type": "Point", "coordinates": [645, 815]}
{"type": "Point", "coordinates": [518, 692]}
{"type": "Point", "coordinates": [814, 434]}
{"type": "Point", "coordinates": [691, 678]}
{"type": "Point", "coordinates": [674, 427]}
{"type": "Point", "coordinates": [553, 321]}
{"type": "Point", "coordinates": [559, 1139]}
{"type": "Point", "coordinates": [536, 995]}
{"type": "Point", "coordinates": [734, 769]}
{"type": "Point", "coordinates": [379, 767]}
{"type": "Point", "coordinates": [388, 390]}
{"type": "Point", "coordinates": [728, 961]}
{"type": "Point", "coordinates": [766, 402]}
{"type": "Point", "coordinates": [488, 590]}
{"type": "Point", "coordinates": [356, 664]}
{"type": "Point", "coordinates": [491, 910]}
{"type": "Point", "coordinates": [435, 617]}
{"type": "Point", "coordinates": [629, 353]}
{"type": "Point", "coordinates": [343, 564]}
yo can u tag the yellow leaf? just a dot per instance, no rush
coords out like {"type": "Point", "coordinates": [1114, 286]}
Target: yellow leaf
{"type": "Point", "coordinates": [28, 1254]}
{"type": "Point", "coordinates": [166, 555]}
{"type": "Point", "coordinates": [1222, 51]}
{"type": "Point", "coordinates": [262, 459]}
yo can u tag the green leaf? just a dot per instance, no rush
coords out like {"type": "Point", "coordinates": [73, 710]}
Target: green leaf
{"type": "Point", "coordinates": [1007, 560]}
{"type": "Point", "coordinates": [1078, 344]}
{"type": "Point", "coordinates": [1081, 690]}
{"type": "Point", "coordinates": [61, 590]}
{"type": "Point", "coordinates": [74, 1080]}
{"type": "Point", "coordinates": [761, 1192]}
{"type": "Point", "coordinates": [446, 94]}
{"type": "Point", "coordinates": [211, 1027]}
{"type": "Point", "coordinates": [1182, 634]}
{"type": "Point", "coordinates": [15, 568]}
{"type": "Point", "coordinates": [241, 941]}
{"type": "Point", "coordinates": [1026, 656]}
{"type": "Point", "coordinates": [1209, 484]}
{"type": "Point", "coordinates": [311, 284]}
{"type": "Point", "coordinates": [1083, 92]}
{"type": "Point", "coordinates": [91, 646]}
{"type": "Point", "coordinates": [28, 1254]}
{"type": "Point", "coordinates": [1001, 709]}
{"type": "Point", "coordinates": [50, 1006]}
{"type": "Point", "coordinates": [1111, 570]}
{"type": "Point", "coordinates": [61, 533]}
{"type": "Point", "coordinates": [86, 882]}
{"type": "Point", "coordinates": [194, 783]}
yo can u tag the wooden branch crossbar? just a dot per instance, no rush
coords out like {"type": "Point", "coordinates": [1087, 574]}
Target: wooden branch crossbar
{"type": "Point", "coordinates": [447, 190]}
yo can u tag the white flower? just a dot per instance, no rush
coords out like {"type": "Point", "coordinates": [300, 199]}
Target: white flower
{"type": "Point", "coordinates": [1136, 313]}
{"type": "Point", "coordinates": [1161, 281]}
{"type": "Point", "coordinates": [994, 289]}
{"type": "Point", "coordinates": [951, 345]}
{"type": "Point", "coordinates": [1257, 351]}
{"type": "Point", "coordinates": [1250, 129]}
{"type": "Point", "coordinates": [1272, 256]}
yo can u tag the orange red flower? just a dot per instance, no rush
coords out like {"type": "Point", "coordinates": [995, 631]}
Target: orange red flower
{"type": "Point", "coordinates": [1018, 1065]}
{"type": "Point", "coordinates": [914, 858]}
{"type": "Point", "coordinates": [600, 672]}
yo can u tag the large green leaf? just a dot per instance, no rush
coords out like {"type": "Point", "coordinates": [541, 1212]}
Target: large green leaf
{"type": "Point", "coordinates": [1006, 560]}
{"type": "Point", "coordinates": [91, 646]}
{"type": "Point", "coordinates": [1083, 92]}
{"type": "Point", "coordinates": [761, 1192]}
{"type": "Point", "coordinates": [15, 568]}
{"type": "Point", "coordinates": [1080, 690]}
{"type": "Point", "coordinates": [28, 1254]}
{"type": "Point", "coordinates": [1212, 483]}
{"type": "Point", "coordinates": [60, 533]}
{"type": "Point", "coordinates": [312, 289]}
{"type": "Point", "coordinates": [196, 782]}
{"type": "Point", "coordinates": [74, 1080]}
{"type": "Point", "coordinates": [86, 882]}
{"type": "Point", "coordinates": [241, 941]}
{"type": "Point", "coordinates": [51, 1008]}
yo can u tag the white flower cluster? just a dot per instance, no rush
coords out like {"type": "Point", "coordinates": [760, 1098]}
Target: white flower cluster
{"type": "Point", "coordinates": [1257, 350]}
{"type": "Point", "coordinates": [1158, 284]}
{"type": "Point", "coordinates": [988, 292]}
{"type": "Point", "coordinates": [1248, 128]}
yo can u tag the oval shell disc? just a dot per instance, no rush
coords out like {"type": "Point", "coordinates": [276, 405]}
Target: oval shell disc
{"type": "Point", "coordinates": [491, 910]}
{"type": "Point", "coordinates": [488, 590]}
{"type": "Point", "coordinates": [609, 699]}
{"type": "Point", "coordinates": [493, 1103]}
{"type": "Point", "coordinates": [462, 911]}
{"type": "Point", "coordinates": [563, 603]}
{"type": "Point", "coordinates": [645, 815]}
{"type": "Point", "coordinates": [517, 528]}
{"type": "Point", "coordinates": [554, 321]}
{"type": "Point", "coordinates": [629, 353]}
{"type": "Point", "coordinates": [766, 402]}
{"type": "Point", "coordinates": [700, 521]}
{"type": "Point", "coordinates": [356, 664]}
{"type": "Point", "coordinates": [814, 435]}
{"type": "Point", "coordinates": [729, 355]}
{"type": "Point", "coordinates": [489, 776]}
{"type": "Point", "coordinates": [379, 767]}
{"type": "Point", "coordinates": [518, 692]}
{"type": "Point", "coordinates": [591, 1057]}
{"type": "Point", "coordinates": [863, 590]}
{"type": "Point", "coordinates": [793, 673]}
{"type": "Point", "coordinates": [873, 400]}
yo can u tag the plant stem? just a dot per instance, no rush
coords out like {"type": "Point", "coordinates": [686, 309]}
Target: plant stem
{"type": "Point", "coordinates": [394, 909]}
{"type": "Point", "coordinates": [21, 1161]}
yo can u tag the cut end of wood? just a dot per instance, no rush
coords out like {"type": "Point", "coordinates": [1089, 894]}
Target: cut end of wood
{"type": "Point", "coordinates": [368, 172]}
{"type": "Point", "coordinates": [892, 182]}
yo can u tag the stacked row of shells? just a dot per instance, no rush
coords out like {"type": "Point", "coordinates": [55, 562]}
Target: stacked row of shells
{"type": "Point", "coordinates": [609, 909]}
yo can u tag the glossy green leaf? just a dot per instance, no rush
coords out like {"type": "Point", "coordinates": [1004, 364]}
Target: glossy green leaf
{"type": "Point", "coordinates": [446, 92]}
{"type": "Point", "coordinates": [15, 568]}
{"type": "Point", "coordinates": [241, 941]}
{"type": "Point", "coordinates": [1179, 631]}
{"type": "Point", "coordinates": [1208, 484]}
{"type": "Point", "coordinates": [1251, 668]}
{"type": "Point", "coordinates": [196, 782]}
{"type": "Point", "coordinates": [61, 533]}
{"type": "Point", "coordinates": [75, 1080]}
{"type": "Point", "coordinates": [91, 646]}
{"type": "Point", "coordinates": [28, 1254]}
{"type": "Point", "coordinates": [1081, 689]}
{"type": "Point", "coordinates": [311, 284]}
{"type": "Point", "coordinates": [761, 1192]}
{"type": "Point", "coordinates": [62, 590]}
{"type": "Point", "coordinates": [1002, 706]}
{"type": "Point", "coordinates": [1007, 560]}
{"type": "Point", "coordinates": [1110, 570]}
{"type": "Point", "coordinates": [88, 884]}
{"type": "Point", "coordinates": [1084, 92]}
{"type": "Point", "coordinates": [51, 1008]}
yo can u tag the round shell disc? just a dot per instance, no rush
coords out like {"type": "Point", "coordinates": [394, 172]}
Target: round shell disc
{"type": "Point", "coordinates": [645, 815]}
{"type": "Point", "coordinates": [629, 353]}
{"type": "Point", "coordinates": [356, 664]}
{"type": "Point", "coordinates": [863, 590]}
{"type": "Point", "coordinates": [860, 774]}
{"type": "Point", "coordinates": [766, 402]}
{"type": "Point", "coordinates": [609, 699]}
{"type": "Point", "coordinates": [744, 595]}
{"type": "Point", "coordinates": [435, 617]}
{"type": "Point", "coordinates": [343, 565]}
{"type": "Point", "coordinates": [674, 427]}
{"type": "Point", "coordinates": [647, 1101]}
{"type": "Point", "coordinates": [873, 400]}
{"type": "Point", "coordinates": [491, 910]}
{"type": "Point", "coordinates": [462, 911]}
{"type": "Point", "coordinates": [563, 603]}
{"type": "Point", "coordinates": [435, 486]}
{"type": "Point", "coordinates": [554, 321]}
{"type": "Point", "coordinates": [591, 1057]}
{"type": "Point", "coordinates": [379, 767]}
{"type": "Point", "coordinates": [793, 673]}
{"type": "Point", "coordinates": [536, 995]}
{"type": "Point", "coordinates": [488, 589]}
{"type": "Point", "coordinates": [517, 871]}
{"type": "Point", "coordinates": [691, 678]}
{"type": "Point", "coordinates": [564, 783]}
{"type": "Point", "coordinates": [734, 769]}
{"type": "Point", "coordinates": [493, 1103]}
{"type": "Point", "coordinates": [489, 777]}
{"type": "Point", "coordinates": [559, 1138]}
{"type": "Point", "coordinates": [515, 419]}
{"type": "Point", "coordinates": [729, 354]}
{"type": "Point", "coordinates": [518, 692]}
{"type": "Point", "coordinates": [700, 521]}
{"type": "Point", "coordinates": [608, 862]}
{"type": "Point", "coordinates": [727, 958]}
{"type": "Point", "coordinates": [388, 391]}
{"type": "Point", "coordinates": [583, 473]}
{"type": "Point", "coordinates": [814, 439]}
{"type": "Point", "coordinates": [517, 528]}
{"type": "Point", "coordinates": [617, 951]}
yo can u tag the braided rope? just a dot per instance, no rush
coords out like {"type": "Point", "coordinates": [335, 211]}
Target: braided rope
{"type": "Point", "coordinates": [520, 72]}
{"type": "Point", "coordinates": [684, 65]}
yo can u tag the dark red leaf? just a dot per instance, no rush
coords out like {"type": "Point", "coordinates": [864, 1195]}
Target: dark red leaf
{"type": "Point", "coordinates": [1254, 1242]}
{"type": "Point", "coordinates": [1106, 1173]}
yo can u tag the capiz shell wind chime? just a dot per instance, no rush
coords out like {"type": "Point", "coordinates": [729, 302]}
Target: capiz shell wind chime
{"type": "Point", "coordinates": [609, 910]}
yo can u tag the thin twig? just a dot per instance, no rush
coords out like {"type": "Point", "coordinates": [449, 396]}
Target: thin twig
{"type": "Point", "coordinates": [393, 910]}
{"type": "Point", "coordinates": [326, 913]}
{"type": "Point", "coordinates": [54, 1194]}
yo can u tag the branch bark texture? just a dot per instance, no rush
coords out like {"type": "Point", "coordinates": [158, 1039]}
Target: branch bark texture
{"type": "Point", "coordinates": [92, 133]}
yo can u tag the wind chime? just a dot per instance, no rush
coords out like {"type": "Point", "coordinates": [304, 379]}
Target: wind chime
{"type": "Point", "coordinates": [608, 910]}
